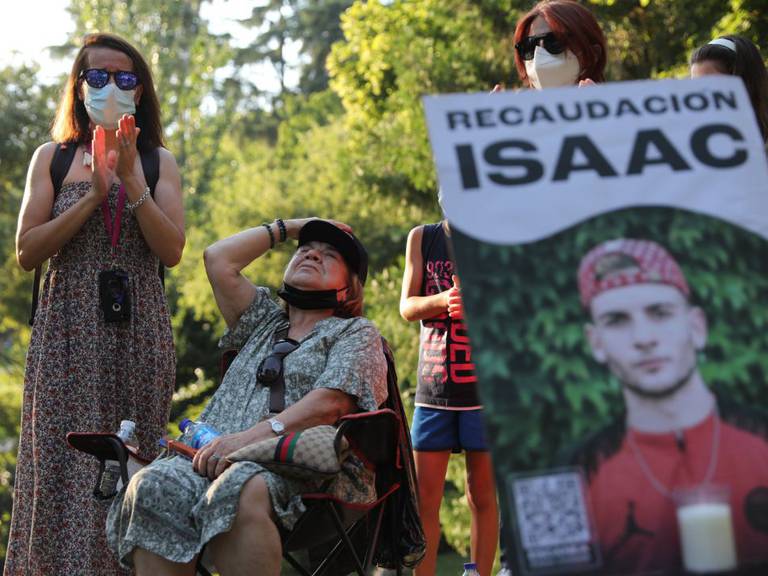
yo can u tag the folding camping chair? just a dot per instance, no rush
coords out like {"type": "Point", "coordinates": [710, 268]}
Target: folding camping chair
{"type": "Point", "coordinates": [373, 436]}
{"type": "Point", "coordinates": [383, 440]}
{"type": "Point", "coordinates": [380, 438]}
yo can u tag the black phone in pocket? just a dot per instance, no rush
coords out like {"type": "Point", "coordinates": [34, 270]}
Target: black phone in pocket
{"type": "Point", "coordinates": [115, 295]}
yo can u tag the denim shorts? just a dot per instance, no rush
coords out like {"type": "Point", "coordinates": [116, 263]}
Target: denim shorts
{"type": "Point", "coordinates": [436, 430]}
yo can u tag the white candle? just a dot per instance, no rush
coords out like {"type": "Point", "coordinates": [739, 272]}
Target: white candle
{"type": "Point", "coordinates": [706, 537]}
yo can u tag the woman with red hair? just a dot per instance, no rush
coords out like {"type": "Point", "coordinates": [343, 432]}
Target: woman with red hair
{"type": "Point", "coordinates": [559, 43]}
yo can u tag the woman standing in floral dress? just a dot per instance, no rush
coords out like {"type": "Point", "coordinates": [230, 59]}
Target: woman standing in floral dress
{"type": "Point", "coordinates": [101, 347]}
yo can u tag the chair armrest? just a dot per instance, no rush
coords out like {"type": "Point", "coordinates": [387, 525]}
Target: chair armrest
{"type": "Point", "coordinates": [373, 436]}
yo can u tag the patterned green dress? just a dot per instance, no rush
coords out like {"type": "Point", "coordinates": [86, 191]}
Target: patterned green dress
{"type": "Point", "coordinates": [170, 510]}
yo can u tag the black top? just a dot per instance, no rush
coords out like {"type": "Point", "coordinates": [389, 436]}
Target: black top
{"type": "Point", "coordinates": [446, 376]}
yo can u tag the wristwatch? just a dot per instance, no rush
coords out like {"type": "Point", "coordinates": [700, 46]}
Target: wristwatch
{"type": "Point", "coordinates": [277, 427]}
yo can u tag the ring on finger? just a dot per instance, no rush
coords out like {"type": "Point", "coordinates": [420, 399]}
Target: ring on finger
{"type": "Point", "coordinates": [214, 458]}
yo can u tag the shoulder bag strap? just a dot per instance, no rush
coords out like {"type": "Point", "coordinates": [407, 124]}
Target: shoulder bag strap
{"type": "Point", "coordinates": [277, 388]}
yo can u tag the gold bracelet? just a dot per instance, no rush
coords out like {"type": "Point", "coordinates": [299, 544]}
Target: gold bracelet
{"type": "Point", "coordinates": [140, 201]}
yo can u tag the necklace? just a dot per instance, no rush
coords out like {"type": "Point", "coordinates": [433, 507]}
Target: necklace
{"type": "Point", "coordinates": [655, 482]}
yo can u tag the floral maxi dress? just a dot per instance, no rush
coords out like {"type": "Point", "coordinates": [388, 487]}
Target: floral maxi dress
{"type": "Point", "coordinates": [84, 374]}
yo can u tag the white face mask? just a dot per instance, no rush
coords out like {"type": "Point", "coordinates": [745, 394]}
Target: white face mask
{"type": "Point", "coordinates": [105, 106]}
{"type": "Point", "coordinates": [552, 70]}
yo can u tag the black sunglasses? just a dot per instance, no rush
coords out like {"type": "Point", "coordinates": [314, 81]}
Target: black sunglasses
{"type": "Point", "coordinates": [271, 368]}
{"type": "Point", "coordinates": [527, 47]}
{"type": "Point", "coordinates": [99, 77]}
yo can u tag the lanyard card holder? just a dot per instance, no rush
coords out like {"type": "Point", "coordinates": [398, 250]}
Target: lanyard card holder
{"type": "Point", "coordinates": [114, 284]}
{"type": "Point", "coordinates": [115, 295]}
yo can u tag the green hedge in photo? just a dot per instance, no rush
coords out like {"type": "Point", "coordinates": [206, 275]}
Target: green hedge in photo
{"type": "Point", "coordinates": [540, 385]}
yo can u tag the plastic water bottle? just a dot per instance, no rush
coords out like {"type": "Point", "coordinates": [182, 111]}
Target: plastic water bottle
{"type": "Point", "coordinates": [197, 434]}
{"type": "Point", "coordinates": [470, 569]}
{"type": "Point", "coordinates": [112, 476]}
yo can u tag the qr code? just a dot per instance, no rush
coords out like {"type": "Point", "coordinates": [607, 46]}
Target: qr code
{"type": "Point", "coordinates": [551, 510]}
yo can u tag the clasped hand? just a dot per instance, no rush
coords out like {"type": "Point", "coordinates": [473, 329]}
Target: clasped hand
{"type": "Point", "coordinates": [107, 164]}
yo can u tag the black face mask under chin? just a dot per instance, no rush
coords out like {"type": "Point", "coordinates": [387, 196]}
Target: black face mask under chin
{"type": "Point", "coordinates": [310, 299]}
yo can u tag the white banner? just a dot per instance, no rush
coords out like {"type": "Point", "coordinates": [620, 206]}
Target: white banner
{"type": "Point", "coordinates": [516, 167]}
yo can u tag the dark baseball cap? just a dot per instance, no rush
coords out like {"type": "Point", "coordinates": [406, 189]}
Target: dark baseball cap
{"type": "Point", "coordinates": [350, 248]}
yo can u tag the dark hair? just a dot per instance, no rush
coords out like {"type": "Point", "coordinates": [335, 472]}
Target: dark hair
{"type": "Point", "coordinates": [71, 123]}
{"type": "Point", "coordinates": [745, 63]}
{"type": "Point", "coordinates": [576, 28]}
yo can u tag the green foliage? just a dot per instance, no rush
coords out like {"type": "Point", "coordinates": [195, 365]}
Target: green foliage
{"type": "Point", "coordinates": [534, 359]}
{"type": "Point", "coordinates": [25, 109]}
{"type": "Point", "coordinates": [313, 24]}
{"type": "Point", "coordinates": [645, 39]}
{"type": "Point", "coordinates": [391, 56]}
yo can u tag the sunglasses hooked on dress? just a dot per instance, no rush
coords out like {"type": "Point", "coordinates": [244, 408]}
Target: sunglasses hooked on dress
{"type": "Point", "coordinates": [271, 368]}
{"type": "Point", "coordinates": [270, 373]}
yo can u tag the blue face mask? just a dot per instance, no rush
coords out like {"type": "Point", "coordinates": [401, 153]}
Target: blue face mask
{"type": "Point", "coordinates": [105, 106]}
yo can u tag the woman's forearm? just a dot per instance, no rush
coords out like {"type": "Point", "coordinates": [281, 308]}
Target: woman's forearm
{"type": "Point", "coordinates": [321, 406]}
{"type": "Point", "coordinates": [237, 251]}
{"type": "Point", "coordinates": [415, 308]}
{"type": "Point", "coordinates": [161, 235]}
{"type": "Point", "coordinates": [224, 261]}
{"type": "Point", "coordinates": [36, 245]}
{"type": "Point", "coordinates": [160, 217]}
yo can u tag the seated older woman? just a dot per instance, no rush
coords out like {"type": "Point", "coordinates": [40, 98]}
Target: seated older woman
{"type": "Point", "coordinates": [174, 506]}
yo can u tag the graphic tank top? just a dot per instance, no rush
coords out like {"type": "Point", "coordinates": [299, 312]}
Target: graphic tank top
{"type": "Point", "coordinates": [446, 376]}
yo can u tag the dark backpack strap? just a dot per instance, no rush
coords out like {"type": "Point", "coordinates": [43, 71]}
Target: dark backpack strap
{"type": "Point", "coordinates": [277, 388]}
{"type": "Point", "coordinates": [150, 163]}
{"type": "Point", "coordinates": [60, 163]}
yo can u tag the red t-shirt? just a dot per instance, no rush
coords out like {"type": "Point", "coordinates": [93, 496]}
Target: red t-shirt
{"type": "Point", "coordinates": [637, 524]}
